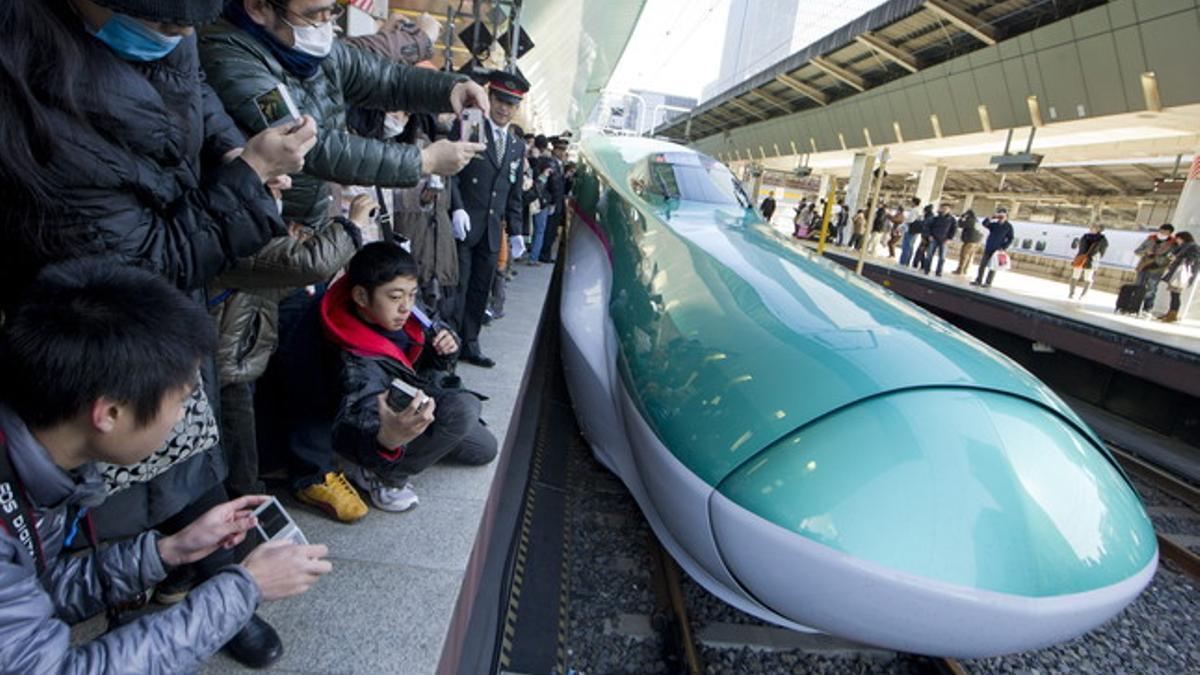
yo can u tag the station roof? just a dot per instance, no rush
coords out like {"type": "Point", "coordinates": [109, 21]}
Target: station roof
{"type": "Point", "coordinates": [891, 41]}
{"type": "Point", "coordinates": [577, 45]}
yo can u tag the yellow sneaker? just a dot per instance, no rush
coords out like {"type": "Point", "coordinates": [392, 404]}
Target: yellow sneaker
{"type": "Point", "coordinates": [336, 496]}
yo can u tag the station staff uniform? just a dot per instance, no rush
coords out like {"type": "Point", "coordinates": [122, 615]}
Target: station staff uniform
{"type": "Point", "coordinates": [489, 190]}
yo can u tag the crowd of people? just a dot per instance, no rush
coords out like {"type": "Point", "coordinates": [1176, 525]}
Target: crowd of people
{"type": "Point", "coordinates": [915, 235]}
{"type": "Point", "coordinates": [234, 237]}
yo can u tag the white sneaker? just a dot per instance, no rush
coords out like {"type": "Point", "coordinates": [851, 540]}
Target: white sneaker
{"type": "Point", "coordinates": [384, 497]}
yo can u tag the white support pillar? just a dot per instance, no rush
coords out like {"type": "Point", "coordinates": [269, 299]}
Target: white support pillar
{"type": "Point", "coordinates": [1187, 218]}
{"type": "Point", "coordinates": [859, 189]}
{"type": "Point", "coordinates": [968, 202]}
{"type": "Point", "coordinates": [824, 189]}
{"type": "Point", "coordinates": [933, 179]}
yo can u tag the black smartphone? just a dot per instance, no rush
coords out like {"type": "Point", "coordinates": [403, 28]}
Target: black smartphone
{"type": "Point", "coordinates": [401, 394]}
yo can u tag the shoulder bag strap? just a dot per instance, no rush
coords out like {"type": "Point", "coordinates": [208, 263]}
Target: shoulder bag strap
{"type": "Point", "coordinates": [385, 217]}
{"type": "Point", "coordinates": [16, 511]}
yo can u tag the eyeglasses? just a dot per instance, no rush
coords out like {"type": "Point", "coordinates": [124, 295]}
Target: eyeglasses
{"type": "Point", "coordinates": [313, 18]}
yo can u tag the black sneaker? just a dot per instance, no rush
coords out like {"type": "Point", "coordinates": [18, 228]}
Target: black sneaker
{"type": "Point", "coordinates": [256, 645]}
{"type": "Point", "coordinates": [175, 587]}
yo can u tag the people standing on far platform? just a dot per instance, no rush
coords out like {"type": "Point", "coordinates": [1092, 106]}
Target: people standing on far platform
{"type": "Point", "coordinates": [768, 207]}
{"type": "Point", "coordinates": [941, 230]}
{"type": "Point", "coordinates": [1092, 246]}
{"type": "Point", "coordinates": [921, 229]}
{"type": "Point", "coordinates": [1181, 274]}
{"type": "Point", "coordinates": [1154, 255]}
{"type": "Point", "coordinates": [911, 216]}
{"type": "Point", "coordinates": [971, 236]}
{"type": "Point", "coordinates": [1000, 237]}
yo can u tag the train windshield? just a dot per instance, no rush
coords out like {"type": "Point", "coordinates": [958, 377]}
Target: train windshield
{"type": "Point", "coordinates": [683, 175]}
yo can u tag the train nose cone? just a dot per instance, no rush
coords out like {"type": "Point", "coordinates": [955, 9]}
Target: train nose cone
{"type": "Point", "coordinates": [948, 521]}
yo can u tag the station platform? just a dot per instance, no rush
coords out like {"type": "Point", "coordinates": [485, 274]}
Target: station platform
{"type": "Point", "coordinates": [388, 604]}
{"type": "Point", "coordinates": [1038, 309]}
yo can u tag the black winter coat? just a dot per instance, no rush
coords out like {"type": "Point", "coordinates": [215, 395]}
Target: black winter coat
{"type": "Point", "coordinates": [941, 227]}
{"type": "Point", "coordinates": [145, 181]}
{"type": "Point", "coordinates": [970, 231]}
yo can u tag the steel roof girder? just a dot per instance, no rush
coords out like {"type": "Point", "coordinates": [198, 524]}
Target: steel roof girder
{"type": "Point", "coordinates": [895, 54]}
{"type": "Point", "coordinates": [837, 72]}
{"type": "Point", "coordinates": [963, 21]}
{"type": "Point", "coordinates": [796, 85]}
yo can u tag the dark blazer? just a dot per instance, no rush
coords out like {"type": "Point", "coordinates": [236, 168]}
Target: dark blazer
{"type": "Point", "coordinates": [489, 189]}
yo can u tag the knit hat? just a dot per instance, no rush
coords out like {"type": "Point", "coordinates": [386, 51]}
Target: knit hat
{"type": "Point", "coordinates": [179, 12]}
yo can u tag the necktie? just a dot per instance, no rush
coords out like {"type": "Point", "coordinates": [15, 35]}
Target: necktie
{"type": "Point", "coordinates": [501, 137]}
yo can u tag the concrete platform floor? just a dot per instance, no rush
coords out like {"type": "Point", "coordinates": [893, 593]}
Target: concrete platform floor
{"type": "Point", "coordinates": [386, 606]}
{"type": "Point", "coordinates": [1097, 308]}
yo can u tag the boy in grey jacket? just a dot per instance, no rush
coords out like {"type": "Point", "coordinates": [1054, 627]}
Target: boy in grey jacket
{"type": "Point", "coordinates": [98, 360]}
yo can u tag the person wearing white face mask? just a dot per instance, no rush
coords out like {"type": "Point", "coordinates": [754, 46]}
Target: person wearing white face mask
{"type": "Point", "coordinates": [260, 44]}
{"type": "Point", "coordinates": [1154, 255]}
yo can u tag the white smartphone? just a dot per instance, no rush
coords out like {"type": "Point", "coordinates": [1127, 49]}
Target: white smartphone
{"type": "Point", "coordinates": [277, 107]}
{"type": "Point", "coordinates": [472, 125]}
{"type": "Point", "coordinates": [275, 523]}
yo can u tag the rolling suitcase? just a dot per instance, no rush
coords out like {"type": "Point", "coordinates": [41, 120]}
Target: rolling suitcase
{"type": "Point", "coordinates": [1130, 297]}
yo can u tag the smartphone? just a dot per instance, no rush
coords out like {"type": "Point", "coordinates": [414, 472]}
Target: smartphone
{"type": "Point", "coordinates": [277, 107]}
{"type": "Point", "coordinates": [472, 125]}
{"type": "Point", "coordinates": [275, 523]}
{"type": "Point", "coordinates": [401, 394]}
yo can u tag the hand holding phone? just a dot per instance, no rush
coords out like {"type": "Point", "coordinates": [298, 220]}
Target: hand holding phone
{"type": "Point", "coordinates": [472, 125]}
{"type": "Point", "coordinates": [277, 107]}
{"type": "Point", "coordinates": [274, 523]}
{"type": "Point", "coordinates": [404, 413]}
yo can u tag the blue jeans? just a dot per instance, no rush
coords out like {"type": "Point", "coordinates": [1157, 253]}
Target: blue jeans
{"type": "Point", "coordinates": [1148, 279]}
{"type": "Point", "coordinates": [906, 249]}
{"type": "Point", "coordinates": [539, 234]}
{"type": "Point", "coordinates": [935, 246]}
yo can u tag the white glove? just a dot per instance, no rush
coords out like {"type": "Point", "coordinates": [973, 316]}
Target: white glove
{"type": "Point", "coordinates": [460, 222]}
{"type": "Point", "coordinates": [516, 246]}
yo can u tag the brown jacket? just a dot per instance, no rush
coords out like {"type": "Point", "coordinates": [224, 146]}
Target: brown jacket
{"type": "Point", "coordinates": [398, 40]}
{"type": "Point", "coordinates": [245, 299]}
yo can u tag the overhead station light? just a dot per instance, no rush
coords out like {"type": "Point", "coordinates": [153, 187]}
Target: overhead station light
{"type": "Point", "coordinates": [1024, 162]}
{"type": "Point", "coordinates": [1021, 162]}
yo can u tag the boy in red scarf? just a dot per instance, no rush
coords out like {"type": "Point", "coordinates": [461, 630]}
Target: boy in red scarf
{"type": "Point", "coordinates": [371, 314]}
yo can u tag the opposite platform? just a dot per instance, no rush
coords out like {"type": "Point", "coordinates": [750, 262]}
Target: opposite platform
{"type": "Point", "coordinates": [1038, 309]}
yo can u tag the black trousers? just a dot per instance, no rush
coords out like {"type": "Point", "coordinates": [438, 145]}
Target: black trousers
{"type": "Point", "coordinates": [456, 435]}
{"type": "Point", "coordinates": [983, 267]}
{"type": "Point", "coordinates": [552, 225]}
{"type": "Point", "coordinates": [476, 268]}
{"type": "Point", "coordinates": [239, 439]}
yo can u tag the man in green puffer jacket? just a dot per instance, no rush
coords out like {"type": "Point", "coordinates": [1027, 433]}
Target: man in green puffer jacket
{"type": "Point", "coordinates": [255, 47]}
{"type": "Point", "coordinates": [259, 44]}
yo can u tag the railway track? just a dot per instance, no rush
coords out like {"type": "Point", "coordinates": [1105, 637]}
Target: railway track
{"type": "Point", "coordinates": [1172, 547]}
{"type": "Point", "coordinates": [682, 651]}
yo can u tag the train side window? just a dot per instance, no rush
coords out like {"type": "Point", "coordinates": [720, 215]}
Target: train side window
{"type": "Point", "coordinates": [1040, 246]}
{"type": "Point", "coordinates": [1075, 243]}
{"type": "Point", "coordinates": [1027, 244]}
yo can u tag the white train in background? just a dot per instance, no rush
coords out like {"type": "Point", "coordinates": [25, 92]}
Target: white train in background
{"type": "Point", "coordinates": [1062, 241]}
